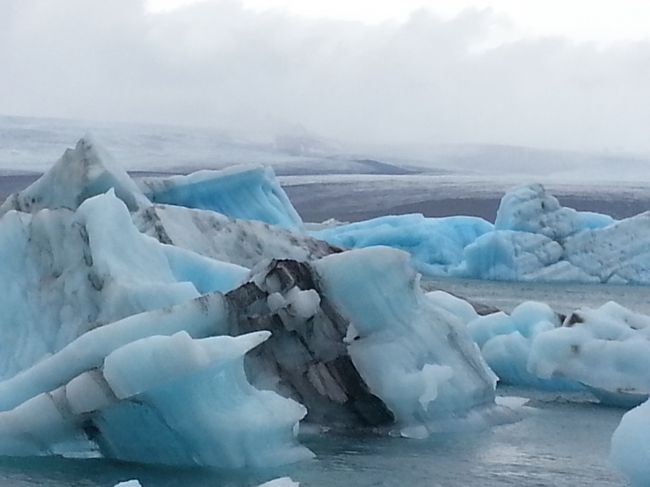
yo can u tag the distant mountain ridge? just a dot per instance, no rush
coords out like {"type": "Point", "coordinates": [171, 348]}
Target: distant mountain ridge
{"type": "Point", "coordinates": [29, 144]}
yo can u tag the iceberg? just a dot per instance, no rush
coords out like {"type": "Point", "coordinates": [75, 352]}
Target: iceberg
{"type": "Point", "coordinates": [607, 349]}
{"type": "Point", "coordinates": [82, 172]}
{"type": "Point", "coordinates": [532, 209]}
{"type": "Point", "coordinates": [604, 351]}
{"type": "Point", "coordinates": [355, 338]}
{"type": "Point", "coordinates": [412, 354]}
{"type": "Point", "coordinates": [153, 332]}
{"type": "Point", "coordinates": [62, 277]}
{"type": "Point", "coordinates": [244, 192]}
{"type": "Point", "coordinates": [135, 407]}
{"type": "Point", "coordinates": [532, 239]}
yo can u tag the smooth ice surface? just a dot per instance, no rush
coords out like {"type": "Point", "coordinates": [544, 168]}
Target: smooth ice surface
{"type": "Point", "coordinates": [630, 449]}
{"type": "Point", "coordinates": [415, 356]}
{"type": "Point", "coordinates": [246, 192]}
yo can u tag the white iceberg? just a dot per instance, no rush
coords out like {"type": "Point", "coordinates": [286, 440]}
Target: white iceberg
{"type": "Point", "coordinates": [607, 349]}
{"type": "Point", "coordinates": [531, 209]}
{"type": "Point", "coordinates": [136, 406]}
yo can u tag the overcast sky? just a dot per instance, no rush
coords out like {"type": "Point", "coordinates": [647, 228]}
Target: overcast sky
{"type": "Point", "coordinates": [552, 74]}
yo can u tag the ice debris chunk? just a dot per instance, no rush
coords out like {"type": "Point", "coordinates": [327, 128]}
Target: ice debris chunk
{"type": "Point", "coordinates": [129, 483]}
{"type": "Point", "coordinates": [630, 445]}
{"type": "Point", "coordinates": [355, 338]}
{"type": "Point", "coordinates": [82, 172]}
{"type": "Point", "coordinates": [245, 192]}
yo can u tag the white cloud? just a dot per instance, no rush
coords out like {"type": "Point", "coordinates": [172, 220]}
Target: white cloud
{"type": "Point", "coordinates": [426, 80]}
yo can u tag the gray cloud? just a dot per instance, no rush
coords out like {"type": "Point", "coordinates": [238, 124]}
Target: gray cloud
{"type": "Point", "coordinates": [423, 81]}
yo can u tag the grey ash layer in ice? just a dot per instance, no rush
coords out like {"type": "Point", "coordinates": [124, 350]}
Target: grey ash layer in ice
{"type": "Point", "coordinates": [129, 307]}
